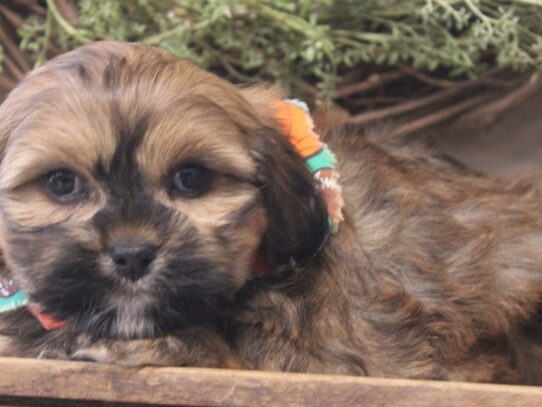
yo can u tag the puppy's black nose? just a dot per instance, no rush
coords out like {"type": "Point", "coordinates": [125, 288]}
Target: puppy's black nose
{"type": "Point", "coordinates": [132, 259]}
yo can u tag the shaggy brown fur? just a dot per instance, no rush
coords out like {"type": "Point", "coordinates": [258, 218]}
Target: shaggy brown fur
{"type": "Point", "coordinates": [436, 272]}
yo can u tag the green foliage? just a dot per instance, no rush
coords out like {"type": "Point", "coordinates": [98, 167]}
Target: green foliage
{"type": "Point", "coordinates": [292, 41]}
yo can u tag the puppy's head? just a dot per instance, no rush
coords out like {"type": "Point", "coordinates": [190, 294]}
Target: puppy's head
{"type": "Point", "coordinates": [137, 190]}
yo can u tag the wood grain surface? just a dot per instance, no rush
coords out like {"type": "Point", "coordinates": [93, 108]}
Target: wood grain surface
{"type": "Point", "coordinates": [40, 382]}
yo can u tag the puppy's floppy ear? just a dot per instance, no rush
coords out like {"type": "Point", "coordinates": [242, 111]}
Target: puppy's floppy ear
{"type": "Point", "coordinates": [296, 215]}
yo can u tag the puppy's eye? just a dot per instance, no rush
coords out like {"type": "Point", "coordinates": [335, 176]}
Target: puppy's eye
{"type": "Point", "coordinates": [191, 181]}
{"type": "Point", "coordinates": [63, 185]}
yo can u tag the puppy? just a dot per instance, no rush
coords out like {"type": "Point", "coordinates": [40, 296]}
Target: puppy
{"type": "Point", "coordinates": [131, 202]}
{"type": "Point", "coordinates": [139, 193]}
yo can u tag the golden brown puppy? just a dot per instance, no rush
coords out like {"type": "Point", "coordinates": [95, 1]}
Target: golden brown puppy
{"type": "Point", "coordinates": [138, 192]}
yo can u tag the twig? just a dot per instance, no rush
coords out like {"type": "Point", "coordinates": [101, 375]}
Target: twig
{"type": "Point", "coordinates": [353, 75]}
{"type": "Point", "coordinates": [12, 68]}
{"type": "Point", "coordinates": [488, 114]}
{"type": "Point", "coordinates": [441, 83]}
{"type": "Point", "coordinates": [32, 5]}
{"type": "Point", "coordinates": [438, 117]}
{"type": "Point", "coordinates": [13, 18]}
{"type": "Point", "coordinates": [68, 11]}
{"type": "Point", "coordinates": [309, 89]}
{"type": "Point", "coordinates": [14, 51]}
{"type": "Point", "coordinates": [373, 81]}
{"type": "Point", "coordinates": [445, 83]}
{"type": "Point", "coordinates": [234, 72]}
{"type": "Point", "coordinates": [368, 117]}
{"type": "Point", "coordinates": [376, 100]}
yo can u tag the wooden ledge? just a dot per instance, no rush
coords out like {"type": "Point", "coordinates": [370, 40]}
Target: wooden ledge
{"type": "Point", "coordinates": [43, 382]}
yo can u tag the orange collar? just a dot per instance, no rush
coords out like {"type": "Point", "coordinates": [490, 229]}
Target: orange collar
{"type": "Point", "coordinates": [297, 125]}
{"type": "Point", "coordinates": [46, 320]}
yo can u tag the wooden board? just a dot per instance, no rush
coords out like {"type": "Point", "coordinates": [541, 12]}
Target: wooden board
{"type": "Point", "coordinates": [40, 382]}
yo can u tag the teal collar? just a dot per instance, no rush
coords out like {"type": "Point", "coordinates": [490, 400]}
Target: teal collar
{"type": "Point", "coordinates": [11, 296]}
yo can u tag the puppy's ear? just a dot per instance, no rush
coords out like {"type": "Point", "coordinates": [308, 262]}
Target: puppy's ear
{"type": "Point", "coordinates": [296, 214]}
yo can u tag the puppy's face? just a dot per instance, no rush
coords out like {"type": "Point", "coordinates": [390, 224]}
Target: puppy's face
{"type": "Point", "coordinates": [137, 190]}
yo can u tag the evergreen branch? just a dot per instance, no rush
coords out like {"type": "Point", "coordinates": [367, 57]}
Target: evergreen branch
{"type": "Point", "coordinates": [300, 42]}
{"type": "Point", "coordinates": [80, 35]}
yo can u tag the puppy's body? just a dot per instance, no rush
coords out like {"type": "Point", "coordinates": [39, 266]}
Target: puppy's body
{"type": "Point", "coordinates": [435, 272]}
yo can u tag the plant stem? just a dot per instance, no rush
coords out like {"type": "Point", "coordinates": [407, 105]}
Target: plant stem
{"type": "Point", "coordinates": [40, 59]}
{"type": "Point", "coordinates": [80, 35]}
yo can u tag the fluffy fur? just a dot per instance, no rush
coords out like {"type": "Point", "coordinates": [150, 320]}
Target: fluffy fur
{"type": "Point", "coordinates": [436, 272]}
